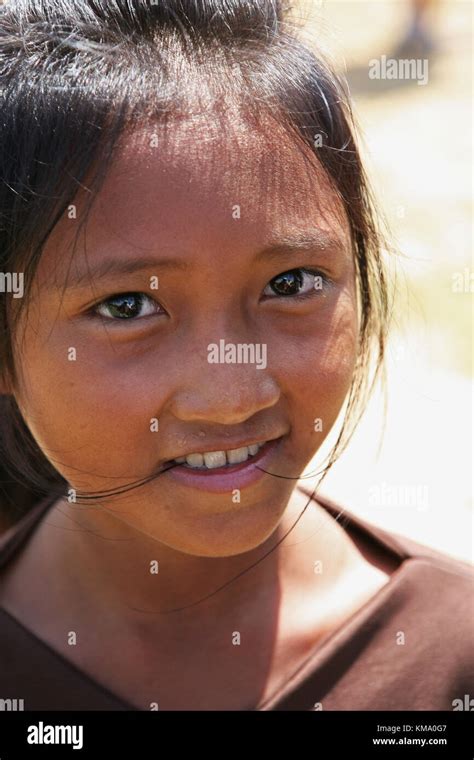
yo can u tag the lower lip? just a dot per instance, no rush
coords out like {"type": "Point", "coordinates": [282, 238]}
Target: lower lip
{"type": "Point", "coordinates": [223, 480]}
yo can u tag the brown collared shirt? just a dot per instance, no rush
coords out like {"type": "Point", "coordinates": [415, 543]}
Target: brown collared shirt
{"type": "Point", "coordinates": [410, 647]}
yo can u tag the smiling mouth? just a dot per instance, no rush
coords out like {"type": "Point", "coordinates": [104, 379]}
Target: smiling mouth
{"type": "Point", "coordinates": [220, 460]}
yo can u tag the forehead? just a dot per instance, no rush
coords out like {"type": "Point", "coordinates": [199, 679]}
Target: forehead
{"type": "Point", "coordinates": [199, 183]}
{"type": "Point", "coordinates": [220, 162]}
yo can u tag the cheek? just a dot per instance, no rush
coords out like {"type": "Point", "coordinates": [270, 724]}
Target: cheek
{"type": "Point", "coordinates": [83, 415]}
{"type": "Point", "coordinates": [317, 381]}
{"type": "Point", "coordinates": [317, 368]}
{"type": "Point", "coordinates": [324, 348]}
{"type": "Point", "coordinates": [95, 413]}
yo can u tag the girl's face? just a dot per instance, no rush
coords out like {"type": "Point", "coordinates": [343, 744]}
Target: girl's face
{"type": "Point", "coordinates": [169, 332]}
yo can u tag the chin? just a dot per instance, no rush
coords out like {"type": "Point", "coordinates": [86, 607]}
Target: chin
{"type": "Point", "coordinates": [224, 534]}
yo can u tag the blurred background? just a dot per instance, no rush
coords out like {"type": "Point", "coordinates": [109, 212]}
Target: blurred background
{"type": "Point", "coordinates": [417, 141]}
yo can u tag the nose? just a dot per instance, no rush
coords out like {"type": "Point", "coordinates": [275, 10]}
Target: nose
{"type": "Point", "coordinates": [222, 392]}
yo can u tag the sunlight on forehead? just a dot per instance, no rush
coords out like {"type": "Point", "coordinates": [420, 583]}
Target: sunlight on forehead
{"type": "Point", "coordinates": [208, 184]}
{"type": "Point", "coordinates": [255, 164]}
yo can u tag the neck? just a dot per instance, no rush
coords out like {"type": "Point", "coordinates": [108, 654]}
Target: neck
{"type": "Point", "coordinates": [115, 565]}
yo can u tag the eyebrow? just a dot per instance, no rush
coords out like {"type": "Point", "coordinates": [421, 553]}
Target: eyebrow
{"type": "Point", "coordinates": [320, 241]}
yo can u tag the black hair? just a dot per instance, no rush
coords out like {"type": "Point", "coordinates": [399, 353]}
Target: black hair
{"type": "Point", "coordinates": [76, 74]}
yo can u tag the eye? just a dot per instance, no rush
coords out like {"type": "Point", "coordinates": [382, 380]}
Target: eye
{"type": "Point", "coordinates": [296, 282]}
{"type": "Point", "coordinates": [127, 306]}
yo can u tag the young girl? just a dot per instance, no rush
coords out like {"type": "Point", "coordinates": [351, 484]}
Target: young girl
{"type": "Point", "coordinates": [199, 292]}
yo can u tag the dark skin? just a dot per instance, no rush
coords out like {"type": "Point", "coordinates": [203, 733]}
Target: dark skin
{"type": "Point", "coordinates": [92, 416]}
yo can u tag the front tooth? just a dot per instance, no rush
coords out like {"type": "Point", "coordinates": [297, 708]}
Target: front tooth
{"type": "Point", "coordinates": [235, 456]}
{"type": "Point", "coordinates": [214, 459]}
{"type": "Point", "coordinates": [195, 460]}
{"type": "Point", "coordinates": [253, 449]}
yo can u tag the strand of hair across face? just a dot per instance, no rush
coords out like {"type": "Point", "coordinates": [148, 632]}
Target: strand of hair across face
{"type": "Point", "coordinates": [234, 578]}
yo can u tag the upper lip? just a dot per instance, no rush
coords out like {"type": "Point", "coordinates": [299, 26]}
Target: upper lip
{"type": "Point", "coordinates": [222, 446]}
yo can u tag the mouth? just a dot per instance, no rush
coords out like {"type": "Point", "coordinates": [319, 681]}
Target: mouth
{"type": "Point", "coordinates": [218, 460]}
{"type": "Point", "coordinates": [225, 470]}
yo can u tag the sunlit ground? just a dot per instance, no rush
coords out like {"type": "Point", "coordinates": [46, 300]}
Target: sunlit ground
{"type": "Point", "coordinates": [418, 145]}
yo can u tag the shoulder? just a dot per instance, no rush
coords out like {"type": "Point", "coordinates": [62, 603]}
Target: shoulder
{"type": "Point", "coordinates": [414, 640]}
{"type": "Point", "coordinates": [16, 534]}
{"type": "Point", "coordinates": [16, 537]}
{"type": "Point", "coordinates": [400, 545]}
{"type": "Point", "coordinates": [433, 592]}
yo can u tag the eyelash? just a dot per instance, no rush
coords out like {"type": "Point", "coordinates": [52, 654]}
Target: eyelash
{"type": "Point", "coordinates": [300, 296]}
{"type": "Point", "coordinates": [93, 312]}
